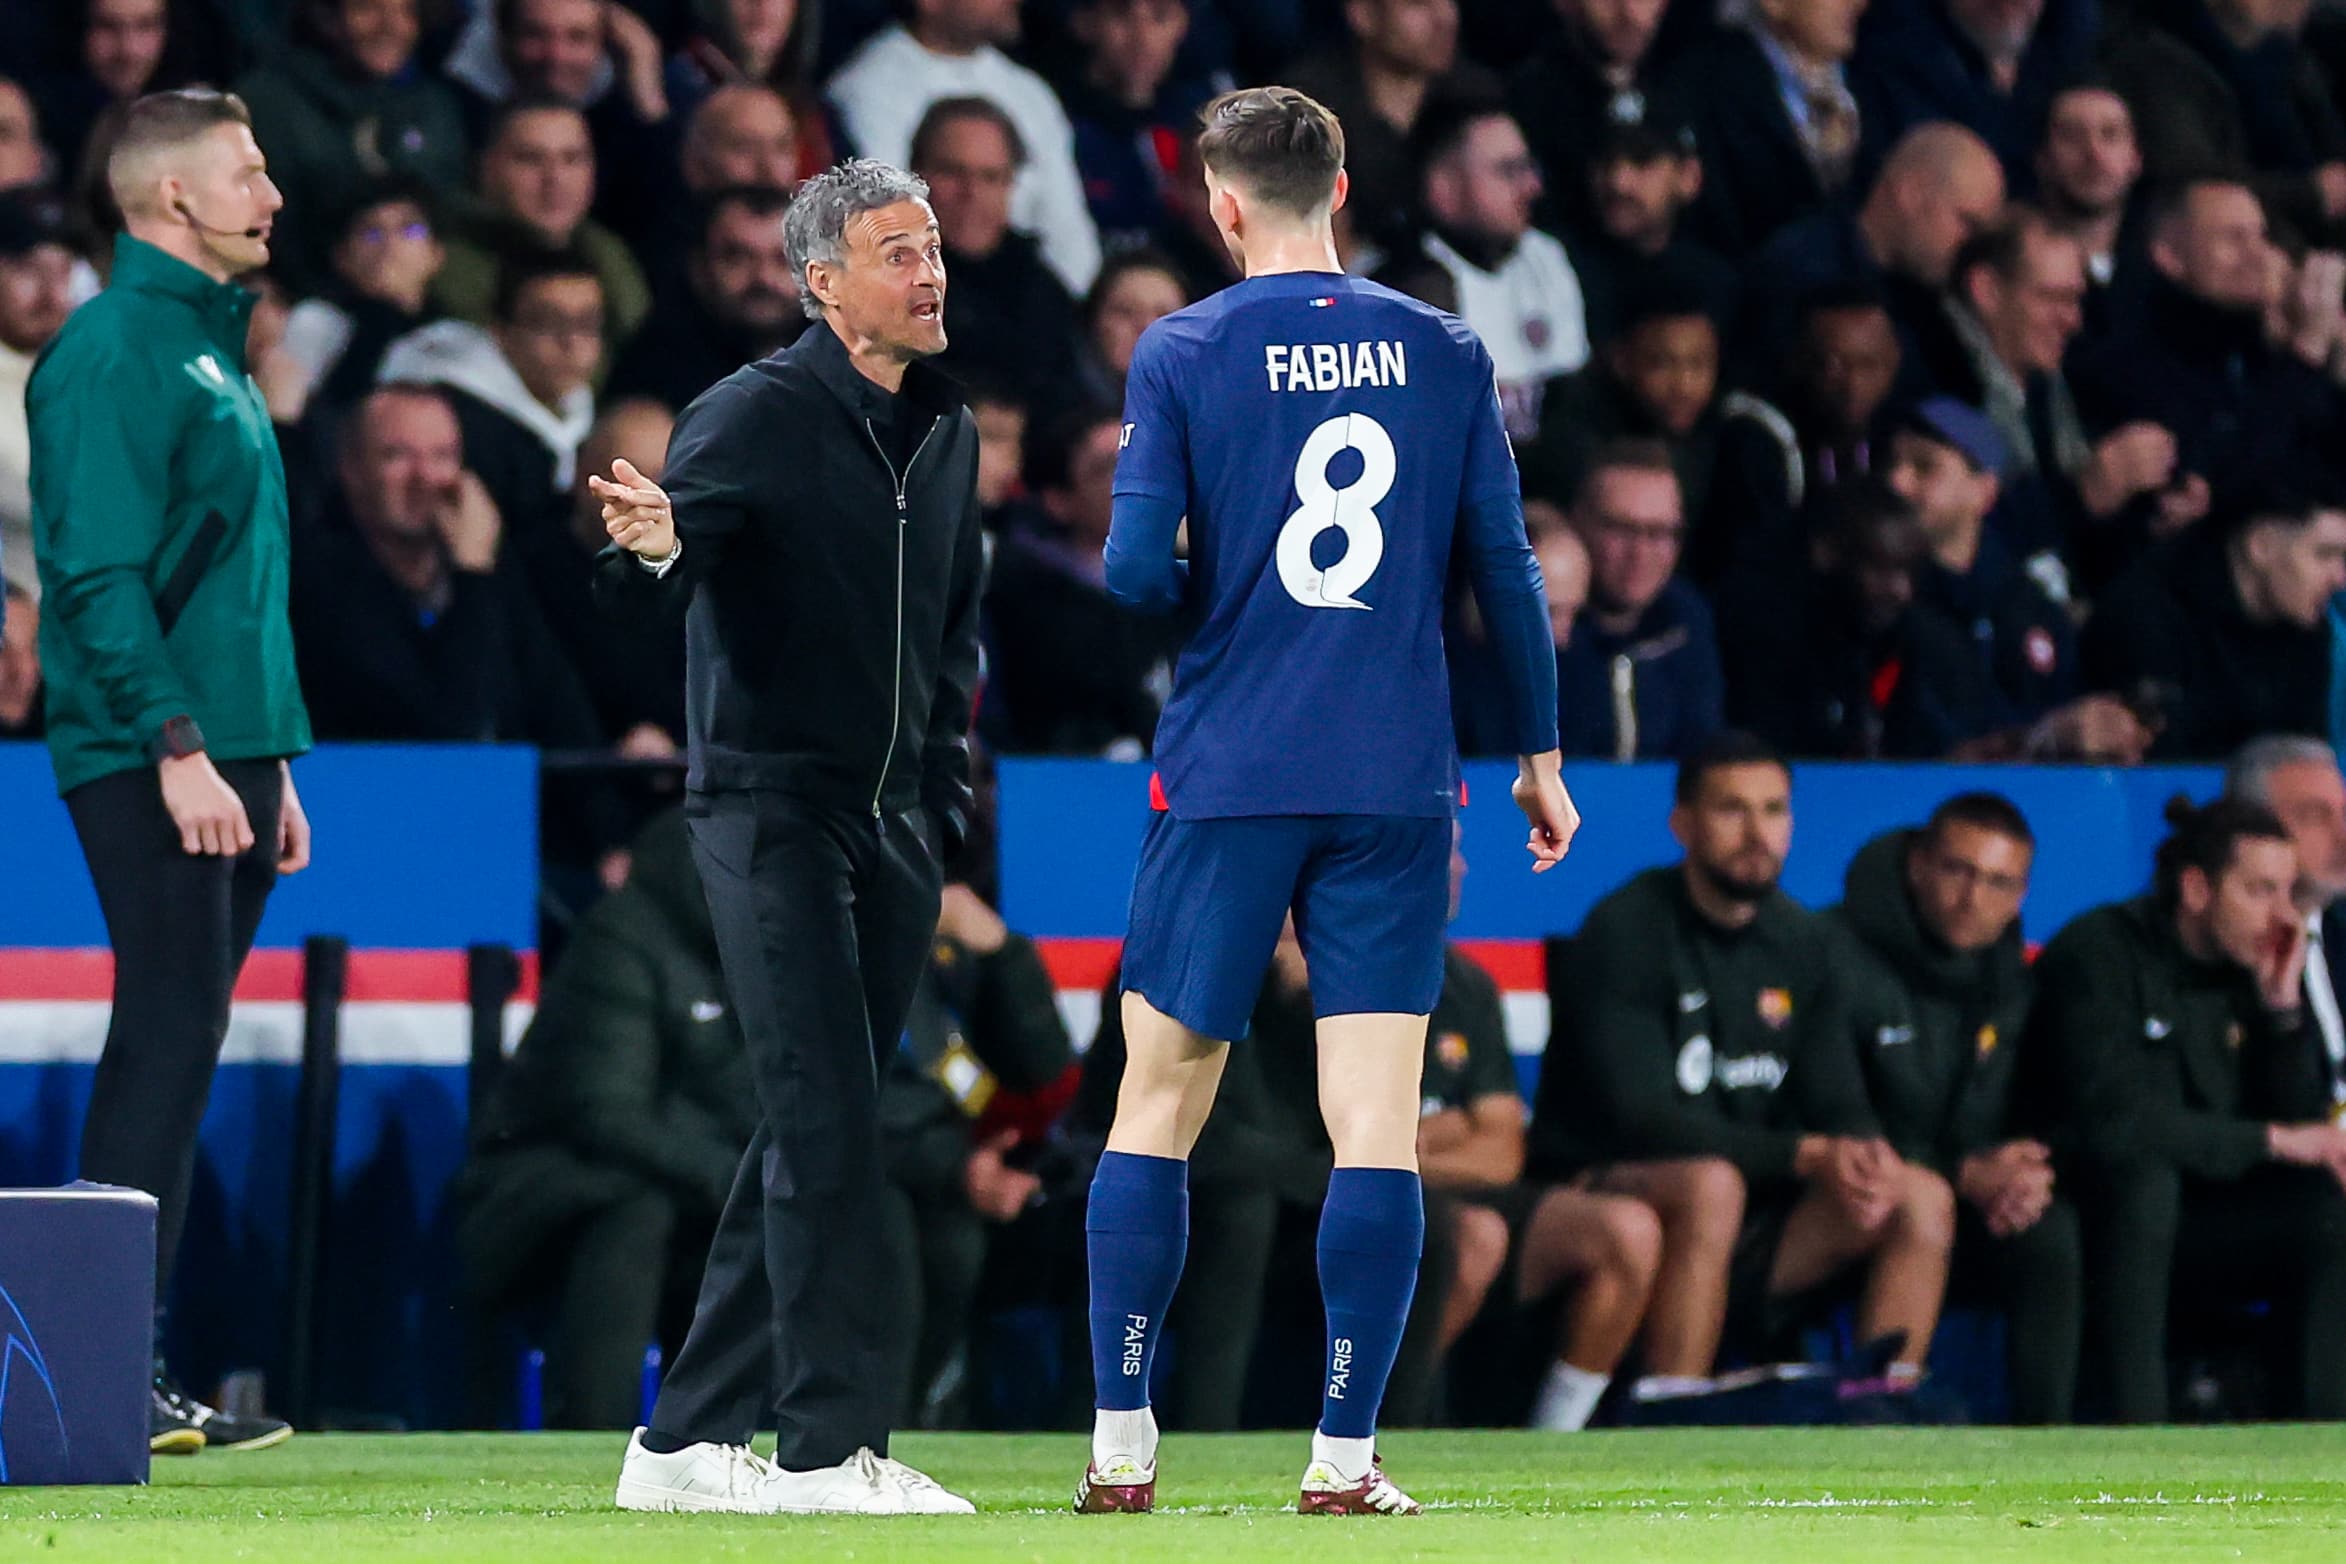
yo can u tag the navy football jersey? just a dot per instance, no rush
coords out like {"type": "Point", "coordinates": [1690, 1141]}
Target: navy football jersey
{"type": "Point", "coordinates": [1324, 436]}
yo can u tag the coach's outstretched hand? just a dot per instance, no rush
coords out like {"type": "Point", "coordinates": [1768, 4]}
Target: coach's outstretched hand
{"type": "Point", "coordinates": [1539, 793]}
{"type": "Point", "coordinates": [635, 511]}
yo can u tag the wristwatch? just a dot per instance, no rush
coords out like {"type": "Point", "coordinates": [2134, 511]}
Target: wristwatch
{"type": "Point", "coordinates": [176, 740]}
{"type": "Point", "coordinates": [661, 566]}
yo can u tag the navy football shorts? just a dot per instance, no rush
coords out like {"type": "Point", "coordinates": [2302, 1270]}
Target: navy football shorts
{"type": "Point", "coordinates": [1370, 893]}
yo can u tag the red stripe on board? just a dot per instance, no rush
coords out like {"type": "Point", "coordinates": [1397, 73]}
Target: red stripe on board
{"type": "Point", "coordinates": [400, 976]}
{"type": "Point", "coordinates": [1519, 964]}
{"type": "Point", "coordinates": [1080, 963]}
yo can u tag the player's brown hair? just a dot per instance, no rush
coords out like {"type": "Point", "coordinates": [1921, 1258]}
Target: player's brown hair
{"type": "Point", "coordinates": [1286, 148]}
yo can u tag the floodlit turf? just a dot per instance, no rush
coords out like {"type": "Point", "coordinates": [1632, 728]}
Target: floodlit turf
{"type": "Point", "coordinates": [1721, 1498]}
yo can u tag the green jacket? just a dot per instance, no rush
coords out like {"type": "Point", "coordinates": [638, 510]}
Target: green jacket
{"type": "Point", "coordinates": [476, 235]}
{"type": "Point", "coordinates": [1936, 1034]}
{"type": "Point", "coordinates": [329, 133]}
{"type": "Point", "coordinates": [2137, 1053]}
{"type": "Point", "coordinates": [143, 423]}
{"type": "Point", "coordinates": [634, 1059]}
{"type": "Point", "coordinates": [1677, 1038]}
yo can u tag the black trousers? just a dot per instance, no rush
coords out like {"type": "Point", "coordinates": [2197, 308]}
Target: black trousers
{"type": "Point", "coordinates": [823, 927]}
{"type": "Point", "coordinates": [609, 1257]}
{"type": "Point", "coordinates": [2038, 1278]}
{"type": "Point", "coordinates": [2279, 1233]}
{"type": "Point", "coordinates": [939, 1246]}
{"type": "Point", "coordinates": [181, 926]}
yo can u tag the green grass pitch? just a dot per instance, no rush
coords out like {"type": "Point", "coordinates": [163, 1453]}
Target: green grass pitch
{"type": "Point", "coordinates": [1738, 1497]}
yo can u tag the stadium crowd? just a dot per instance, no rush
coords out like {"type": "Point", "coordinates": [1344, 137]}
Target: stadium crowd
{"type": "Point", "coordinates": [1908, 380]}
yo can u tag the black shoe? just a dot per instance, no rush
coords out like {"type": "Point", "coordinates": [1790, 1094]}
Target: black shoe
{"type": "Point", "coordinates": [171, 1425]}
{"type": "Point", "coordinates": [213, 1429]}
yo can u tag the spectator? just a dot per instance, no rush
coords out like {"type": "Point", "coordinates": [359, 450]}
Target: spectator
{"type": "Point", "coordinates": [1991, 66]}
{"type": "Point", "coordinates": [36, 271]}
{"type": "Point", "coordinates": [1841, 662]}
{"type": "Point", "coordinates": [1640, 679]}
{"type": "Point", "coordinates": [1937, 188]}
{"type": "Point", "coordinates": [983, 1047]}
{"type": "Point", "coordinates": [2226, 88]}
{"type": "Point", "coordinates": [1135, 289]}
{"type": "Point", "coordinates": [1074, 672]}
{"type": "Point", "coordinates": [20, 663]}
{"type": "Point", "coordinates": [1596, 73]}
{"type": "Point", "coordinates": [607, 1147]}
{"type": "Point", "coordinates": [2222, 634]}
{"type": "Point", "coordinates": [406, 627]}
{"type": "Point", "coordinates": [1704, 1069]}
{"type": "Point", "coordinates": [1845, 360]}
{"type": "Point", "coordinates": [1948, 461]}
{"type": "Point", "coordinates": [342, 105]}
{"type": "Point", "coordinates": [740, 135]}
{"type": "Point", "coordinates": [1659, 379]}
{"type": "Point", "coordinates": [2202, 366]}
{"type": "Point", "coordinates": [595, 56]}
{"type": "Point", "coordinates": [1928, 952]}
{"type": "Point", "coordinates": [1130, 110]}
{"type": "Point", "coordinates": [2086, 171]}
{"type": "Point", "coordinates": [536, 186]}
{"type": "Point", "coordinates": [1644, 177]}
{"type": "Point", "coordinates": [2298, 780]}
{"type": "Point", "coordinates": [633, 674]}
{"type": "Point", "coordinates": [739, 303]}
{"type": "Point", "coordinates": [383, 264]}
{"type": "Point", "coordinates": [2175, 1067]}
{"type": "Point", "coordinates": [2015, 303]}
{"type": "Point", "coordinates": [1001, 428]}
{"type": "Point", "coordinates": [1012, 319]}
{"type": "Point", "coordinates": [1478, 698]}
{"type": "Point", "coordinates": [1189, 236]}
{"type": "Point", "coordinates": [1515, 285]}
{"type": "Point", "coordinates": [25, 162]}
{"type": "Point", "coordinates": [118, 55]}
{"type": "Point", "coordinates": [757, 43]}
{"type": "Point", "coordinates": [1774, 116]}
{"type": "Point", "coordinates": [1397, 55]}
{"type": "Point", "coordinates": [953, 49]}
{"type": "Point", "coordinates": [523, 388]}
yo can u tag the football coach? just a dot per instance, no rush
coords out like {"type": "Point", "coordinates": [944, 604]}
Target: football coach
{"type": "Point", "coordinates": [820, 525]}
{"type": "Point", "coordinates": [160, 535]}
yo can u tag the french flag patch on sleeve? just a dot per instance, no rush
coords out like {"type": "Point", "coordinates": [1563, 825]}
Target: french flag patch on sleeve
{"type": "Point", "coordinates": [1322, 303]}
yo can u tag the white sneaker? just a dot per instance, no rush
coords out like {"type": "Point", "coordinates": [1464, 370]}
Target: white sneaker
{"type": "Point", "coordinates": [923, 1494]}
{"type": "Point", "coordinates": [729, 1479]}
{"type": "Point", "coordinates": [859, 1485]}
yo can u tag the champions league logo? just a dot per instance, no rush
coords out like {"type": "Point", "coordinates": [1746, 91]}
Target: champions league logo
{"type": "Point", "coordinates": [28, 1395]}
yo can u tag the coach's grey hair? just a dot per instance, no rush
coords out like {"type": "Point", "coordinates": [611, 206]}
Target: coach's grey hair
{"type": "Point", "coordinates": [2250, 775]}
{"type": "Point", "coordinates": [815, 227]}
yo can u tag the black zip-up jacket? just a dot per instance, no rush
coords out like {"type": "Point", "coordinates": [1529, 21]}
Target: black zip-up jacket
{"type": "Point", "coordinates": [832, 582]}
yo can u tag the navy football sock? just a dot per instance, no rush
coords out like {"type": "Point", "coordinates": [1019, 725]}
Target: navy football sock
{"type": "Point", "coordinates": [1138, 1227]}
{"type": "Point", "coordinates": [1372, 1231]}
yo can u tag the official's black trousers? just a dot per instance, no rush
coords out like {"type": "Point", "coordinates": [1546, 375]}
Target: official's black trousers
{"type": "Point", "coordinates": [2278, 1234]}
{"type": "Point", "coordinates": [823, 922]}
{"type": "Point", "coordinates": [181, 925]}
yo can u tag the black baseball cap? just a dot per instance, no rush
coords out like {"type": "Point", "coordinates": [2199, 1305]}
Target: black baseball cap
{"type": "Point", "coordinates": [27, 222]}
{"type": "Point", "coordinates": [1643, 129]}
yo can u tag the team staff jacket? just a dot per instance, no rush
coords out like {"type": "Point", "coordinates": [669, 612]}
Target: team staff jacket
{"type": "Point", "coordinates": [831, 567]}
{"type": "Point", "coordinates": [1684, 1039]}
{"type": "Point", "coordinates": [1936, 1032]}
{"type": "Point", "coordinates": [159, 527]}
{"type": "Point", "coordinates": [2139, 1054]}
